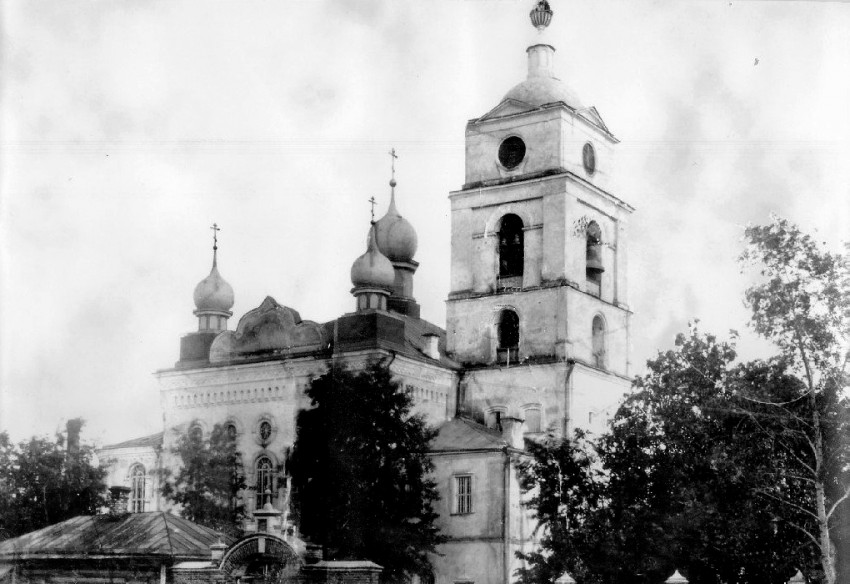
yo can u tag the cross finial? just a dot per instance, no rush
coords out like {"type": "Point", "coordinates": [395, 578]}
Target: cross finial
{"type": "Point", "coordinates": [215, 229]}
{"type": "Point", "coordinates": [372, 202]}
{"type": "Point", "coordinates": [393, 157]}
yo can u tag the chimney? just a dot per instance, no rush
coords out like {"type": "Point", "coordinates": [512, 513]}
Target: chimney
{"type": "Point", "coordinates": [119, 498]}
{"type": "Point", "coordinates": [512, 431]}
{"type": "Point", "coordinates": [432, 345]}
{"type": "Point", "coordinates": [72, 428]}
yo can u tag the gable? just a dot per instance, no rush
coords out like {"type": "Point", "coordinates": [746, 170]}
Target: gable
{"type": "Point", "coordinates": [508, 107]}
{"type": "Point", "coordinates": [271, 328]}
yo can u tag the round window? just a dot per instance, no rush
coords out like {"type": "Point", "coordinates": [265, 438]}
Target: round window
{"type": "Point", "coordinates": [265, 431]}
{"type": "Point", "coordinates": [511, 152]}
{"type": "Point", "coordinates": [588, 156]}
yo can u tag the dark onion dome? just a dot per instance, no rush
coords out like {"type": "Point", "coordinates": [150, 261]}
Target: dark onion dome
{"type": "Point", "coordinates": [372, 269]}
{"type": "Point", "coordinates": [213, 293]}
{"type": "Point", "coordinates": [395, 235]}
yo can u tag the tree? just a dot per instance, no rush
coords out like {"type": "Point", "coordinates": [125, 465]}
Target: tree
{"type": "Point", "coordinates": [733, 472]}
{"type": "Point", "coordinates": [802, 304]}
{"type": "Point", "coordinates": [45, 481]}
{"type": "Point", "coordinates": [360, 472]}
{"type": "Point", "coordinates": [207, 484]}
{"type": "Point", "coordinates": [674, 482]}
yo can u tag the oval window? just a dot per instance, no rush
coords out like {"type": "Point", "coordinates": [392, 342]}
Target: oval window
{"type": "Point", "coordinates": [511, 152]}
{"type": "Point", "coordinates": [588, 156]}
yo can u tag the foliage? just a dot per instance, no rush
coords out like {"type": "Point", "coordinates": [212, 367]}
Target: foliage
{"type": "Point", "coordinates": [207, 484]}
{"type": "Point", "coordinates": [802, 304]}
{"type": "Point", "coordinates": [731, 472]}
{"type": "Point", "coordinates": [42, 482]}
{"type": "Point", "coordinates": [360, 472]}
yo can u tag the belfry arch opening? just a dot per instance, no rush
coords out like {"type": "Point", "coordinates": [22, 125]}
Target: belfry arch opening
{"type": "Point", "coordinates": [507, 328]}
{"type": "Point", "coordinates": [593, 257]}
{"type": "Point", "coordinates": [511, 247]}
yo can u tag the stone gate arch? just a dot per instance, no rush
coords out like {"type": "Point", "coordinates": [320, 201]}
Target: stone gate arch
{"type": "Point", "coordinates": [260, 558]}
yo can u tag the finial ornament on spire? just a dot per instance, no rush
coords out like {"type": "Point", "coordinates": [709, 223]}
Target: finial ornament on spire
{"type": "Point", "coordinates": [215, 229]}
{"type": "Point", "coordinates": [372, 201]}
{"type": "Point", "coordinates": [541, 15]}
{"type": "Point", "coordinates": [393, 157]}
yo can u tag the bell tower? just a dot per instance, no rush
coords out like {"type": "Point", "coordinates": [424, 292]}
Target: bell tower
{"type": "Point", "coordinates": [538, 303]}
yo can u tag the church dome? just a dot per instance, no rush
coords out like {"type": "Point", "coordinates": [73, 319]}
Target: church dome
{"type": "Point", "coordinates": [372, 269]}
{"type": "Point", "coordinates": [541, 86]}
{"type": "Point", "coordinates": [538, 91]}
{"type": "Point", "coordinates": [213, 293]}
{"type": "Point", "coordinates": [395, 235]}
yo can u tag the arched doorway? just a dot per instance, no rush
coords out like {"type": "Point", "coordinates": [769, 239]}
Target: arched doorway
{"type": "Point", "coordinates": [260, 559]}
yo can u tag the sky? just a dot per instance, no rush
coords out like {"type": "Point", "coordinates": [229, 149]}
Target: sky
{"type": "Point", "coordinates": [128, 128]}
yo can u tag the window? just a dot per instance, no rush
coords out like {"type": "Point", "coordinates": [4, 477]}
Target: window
{"type": "Point", "coordinates": [508, 333]}
{"type": "Point", "coordinates": [598, 341]}
{"type": "Point", "coordinates": [265, 431]}
{"type": "Point", "coordinates": [532, 420]}
{"type": "Point", "coordinates": [593, 258]}
{"type": "Point", "coordinates": [137, 489]}
{"type": "Point", "coordinates": [511, 152]}
{"type": "Point", "coordinates": [511, 247]}
{"type": "Point", "coordinates": [196, 433]}
{"type": "Point", "coordinates": [588, 158]}
{"type": "Point", "coordinates": [462, 495]}
{"type": "Point", "coordinates": [264, 484]}
{"type": "Point", "coordinates": [231, 432]}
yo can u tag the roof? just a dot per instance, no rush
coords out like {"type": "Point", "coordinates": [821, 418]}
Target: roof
{"type": "Point", "coordinates": [461, 434]}
{"type": "Point", "coordinates": [155, 535]}
{"type": "Point", "coordinates": [154, 440]}
{"type": "Point", "coordinates": [415, 341]}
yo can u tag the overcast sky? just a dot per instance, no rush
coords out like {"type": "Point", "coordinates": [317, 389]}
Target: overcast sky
{"type": "Point", "coordinates": [129, 127]}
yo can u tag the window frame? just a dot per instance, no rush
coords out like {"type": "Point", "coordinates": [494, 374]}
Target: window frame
{"type": "Point", "coordinates": [259, 475]}
{"type": "Point", "coordinates": [467, 507]}
{"type": "Point", "coordinates": [138, 488]}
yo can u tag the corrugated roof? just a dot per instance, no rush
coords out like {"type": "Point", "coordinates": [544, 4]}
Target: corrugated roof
{"type": "Point", "coordinates": [158, 534]}
{"type": "Point", "coordinates": [461, 434]}
{"type": "Point", "coordinates": [153, 440]}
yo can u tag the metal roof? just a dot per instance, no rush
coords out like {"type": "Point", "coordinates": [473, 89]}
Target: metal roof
{"type": "Point", "coordinates": [132, 535]}
{"type": "Point", "coordinates": [154, 440]}
{"type": "Point", "coordinates": [461, 434]}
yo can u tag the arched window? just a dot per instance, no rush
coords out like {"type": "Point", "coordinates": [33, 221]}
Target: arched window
{"type": "Point", "coordinates": [593, 255]}
{"type": "Point", "coordinates": [598, 341]}
{"type": "Point", "coordinates": [196, 434]}
{"type": "Point", "coordinates": [510, 247]}
{"type": "Point", "coordinates": [508, 332]}
{"type": "Point", "coordinates": [137, 489]}
{"type": "Point", "coordinates": [231, 431]}
{"type": "Point", "coordinates": [265, 479]}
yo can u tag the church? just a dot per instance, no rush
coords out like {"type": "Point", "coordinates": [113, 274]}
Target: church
{"type": "Point", "coordinates": [536, 337]}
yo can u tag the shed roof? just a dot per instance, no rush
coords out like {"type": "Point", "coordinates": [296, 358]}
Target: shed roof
{"type": "Point", "coordinates": [154, 440]}
{"type": "Point", "coordinates": [134, 535]}
{"type": "Point", "coordinates": [461, 434]}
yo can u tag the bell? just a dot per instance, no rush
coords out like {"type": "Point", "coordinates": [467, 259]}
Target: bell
{"type": "Point", "coordinates": [594, 259]}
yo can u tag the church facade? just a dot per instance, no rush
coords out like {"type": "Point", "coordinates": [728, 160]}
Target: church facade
{"type": "Point", "coordinates": [536, 337]}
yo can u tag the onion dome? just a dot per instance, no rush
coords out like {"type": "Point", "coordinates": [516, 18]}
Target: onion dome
{"type": "Point", "coordinates": [373, 269]}
{"type": "Point", "coordinates": [213, 293]}
{"type": "Point", "coordinates": [395, 235]}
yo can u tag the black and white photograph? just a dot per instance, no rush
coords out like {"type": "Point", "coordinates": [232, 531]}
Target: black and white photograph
{"type": "Point", "coordinates": [424, 292]}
